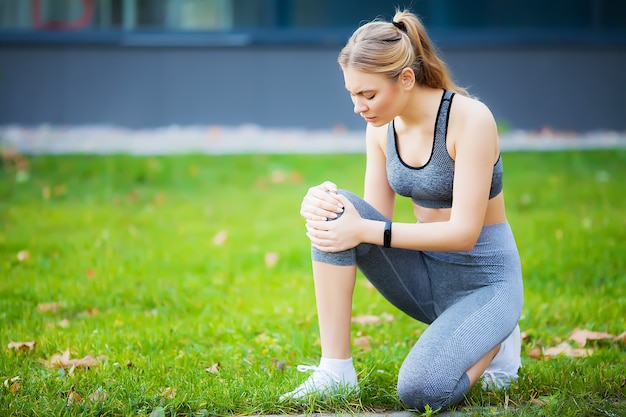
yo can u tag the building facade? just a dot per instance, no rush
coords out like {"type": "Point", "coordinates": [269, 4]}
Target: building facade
{"type": "Point", "coordinates": [153, 63]}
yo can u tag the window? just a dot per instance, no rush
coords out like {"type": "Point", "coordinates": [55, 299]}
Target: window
{"type": "Point", "coordinates": [283, 18]}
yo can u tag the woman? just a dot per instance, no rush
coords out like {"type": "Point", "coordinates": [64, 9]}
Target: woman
{"type": "Point", "coordinates": [457, 268]}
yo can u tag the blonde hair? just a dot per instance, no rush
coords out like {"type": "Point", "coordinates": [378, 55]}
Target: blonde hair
{"type": "Point", "coordinates": [386, 48]}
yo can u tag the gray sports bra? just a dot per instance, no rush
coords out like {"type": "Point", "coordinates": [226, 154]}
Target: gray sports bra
{"type": "Point", "coordinates": [430, 185]}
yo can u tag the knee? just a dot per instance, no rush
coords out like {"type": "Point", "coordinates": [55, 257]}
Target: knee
{"type": "Point", "coordinates": [423, 390]}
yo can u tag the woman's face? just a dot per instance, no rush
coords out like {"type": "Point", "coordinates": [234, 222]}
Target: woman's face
{"type": "Point", "coordinates": [376, 98]}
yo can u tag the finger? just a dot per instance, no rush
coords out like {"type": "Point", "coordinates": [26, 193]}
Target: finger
{"type": "Point", "coordinates": [329, 186]}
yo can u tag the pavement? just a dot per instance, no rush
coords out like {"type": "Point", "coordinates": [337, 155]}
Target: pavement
{"type": "Point", "coordinates": [217, 140]}
{"type": "Point", "coordinates": [467, 412]}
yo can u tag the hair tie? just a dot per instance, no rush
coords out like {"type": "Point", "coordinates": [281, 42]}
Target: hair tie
{"type": "Point", "coordinates": [399, 25]}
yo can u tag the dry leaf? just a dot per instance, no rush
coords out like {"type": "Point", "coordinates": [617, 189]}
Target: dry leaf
{"type": "Point", "coordinates": [220, 238]}
{"type": "Point", "coordinates": [98, 395]}
{"type": "Point", "coordinates": [90, 273]}
{"type": "Point", "coordinates": [23, 255]}
{"type": "Point", "coordinates": [581, 336]}
{"type": "Point", "coordinates": [362, 342]}
{"type": "Point", "coordinates": [46, 307]}
{"type": "Point", "coordinates": [73, 398]}
{"type": "Point", "coordinates": [213, 369]}
{"type": "Point", "coordinates": [566, 350]}
{"type": "Point", "coordinates": [10, 381]}
{"type": "Point", "coordinates": [64, 361]}
{"type": "Point", "coordinates": [271, 258]}
{"type": "Point", "coordinates": [15, 387]}
{"type": "Point", "coordinates": [168, 392]}
{"type": "Point", "coordinates": [13, 384]}
{"type": "Point", "coordinates": [22, 345]}
{"type": "Point", "coordinates": [65, 323]}
{"type": "Point", "coordinates": [536, 353]}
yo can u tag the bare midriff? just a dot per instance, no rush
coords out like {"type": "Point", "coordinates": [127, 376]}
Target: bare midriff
{"type": "Point", "coordinates": [495, 212]}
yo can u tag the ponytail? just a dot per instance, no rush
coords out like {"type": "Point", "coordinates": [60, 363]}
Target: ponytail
{"type": "Point", "coordinates": [387, 48]}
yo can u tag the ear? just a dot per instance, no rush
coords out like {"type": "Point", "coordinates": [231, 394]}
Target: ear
{"type": "Point", "coordinates": [407, 78]}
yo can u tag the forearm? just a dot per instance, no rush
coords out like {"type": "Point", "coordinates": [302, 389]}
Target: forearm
{"type": "Point", "coordinates": [436, 236]}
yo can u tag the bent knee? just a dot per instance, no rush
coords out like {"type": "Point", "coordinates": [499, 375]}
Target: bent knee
{"type": "Point", "coordinates": [416, 395]}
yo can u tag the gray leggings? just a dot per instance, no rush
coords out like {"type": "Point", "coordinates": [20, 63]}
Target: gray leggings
{"type": "Point", "coordinates": [471, 300]}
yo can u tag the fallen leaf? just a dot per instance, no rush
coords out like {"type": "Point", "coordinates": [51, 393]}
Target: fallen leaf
{"type": "Point", "coordinates": [90, 273]}
{"type": "Point", "coordinates": [23, 255]}
{"type": "Point", "coordinates": [581, 336]}
{"type": "Point", "coordinates": [98, 395]}
{"type": "Point", "coordinates": [567, 350]}
{"type": "Point", "coordinates": [52, 306]}
{"type": "Point", "coordinates": [65, 323]}
{"type": "Point", "coordinates": [536, 353]}
{"type": "Point", "coordinates": [13, 384]}
{"type": "Point", "coordinates": [73, 398]}
{"type": "Point", "coordinates": [362, 342]}
{"type": "Point", "coordinates": [168, 392]}
{"type": "Point", "coordinates": [10, 381]}
{"type": "Point", "coordinates": [220, 238]}
{"type": "Point", "coordinates": [15, 387]}
{"type": "Point", "coordinates": [64, 361]}
{"type": "Point", "coordinates": [213, 369]}
{"type": "Point", "coordinates": [271, 258]}
{"type": "Point", "coordinates": [22, 345]}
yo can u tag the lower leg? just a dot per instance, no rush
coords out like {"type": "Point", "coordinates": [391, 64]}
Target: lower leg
{"type": "Point", "coordinates": [334, 286]}
{"type": "Point", "coordinates": [476, 371]}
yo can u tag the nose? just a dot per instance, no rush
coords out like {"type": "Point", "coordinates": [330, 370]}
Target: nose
{"type": "Point", "coordinates": [359, 106]}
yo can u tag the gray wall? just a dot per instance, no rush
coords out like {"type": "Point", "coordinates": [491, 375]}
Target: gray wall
{"type": "Point", "coordinates": [566, 88]}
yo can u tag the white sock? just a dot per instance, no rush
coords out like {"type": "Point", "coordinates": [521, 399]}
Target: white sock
{"type": "Point", "coordinates": [343, 368]}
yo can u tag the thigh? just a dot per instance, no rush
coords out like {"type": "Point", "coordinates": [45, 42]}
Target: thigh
{"type": "Point", "coordinates": [400, 275]}
{"type": "Point", "coordinates": [458, 338]}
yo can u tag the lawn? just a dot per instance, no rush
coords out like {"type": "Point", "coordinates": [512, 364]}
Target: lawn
{"type": "Point", "coordinates": [184, 283]}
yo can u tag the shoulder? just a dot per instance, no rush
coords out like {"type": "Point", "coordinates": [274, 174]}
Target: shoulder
{"type": "Point", "coordinates": [472, 122]}
{"type": "Point", "coordinates": [376, 137]}
{"type": "Point", "coordinates": [471, 113]}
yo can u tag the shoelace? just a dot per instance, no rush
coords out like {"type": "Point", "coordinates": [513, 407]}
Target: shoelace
{"type": "Point", "coordinates": [317, 373]}
{"type": "Point", "coordinates": [496, 379]}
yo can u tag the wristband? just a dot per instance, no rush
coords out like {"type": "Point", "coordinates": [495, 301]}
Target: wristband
{"type": "Point", "coordinates": [387, 235]}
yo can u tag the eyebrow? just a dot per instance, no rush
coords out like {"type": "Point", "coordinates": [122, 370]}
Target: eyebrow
{"type": "Point", "coordinates": [362, 92]}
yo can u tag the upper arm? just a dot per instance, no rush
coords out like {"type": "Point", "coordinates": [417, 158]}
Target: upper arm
{"type": "Point", "coordinates": [476, 147]}
{"type": "Point", "coordinates": [377, 190]}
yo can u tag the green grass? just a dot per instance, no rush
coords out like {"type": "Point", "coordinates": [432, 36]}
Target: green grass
{"type": "Point", "coordinates": [126, 245]}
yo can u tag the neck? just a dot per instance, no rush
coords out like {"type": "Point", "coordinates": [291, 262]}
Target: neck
{"type": "Point", "coordinates": [421, 106]}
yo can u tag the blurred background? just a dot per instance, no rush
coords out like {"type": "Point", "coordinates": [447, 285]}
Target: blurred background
{"type": "Point", "coordinates": [558, 64]}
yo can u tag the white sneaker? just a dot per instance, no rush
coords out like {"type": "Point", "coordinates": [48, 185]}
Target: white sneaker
{"type": "Point", "coordinates": [322, 382]}
{"type": "Point", "coordinates": [502, 370]}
